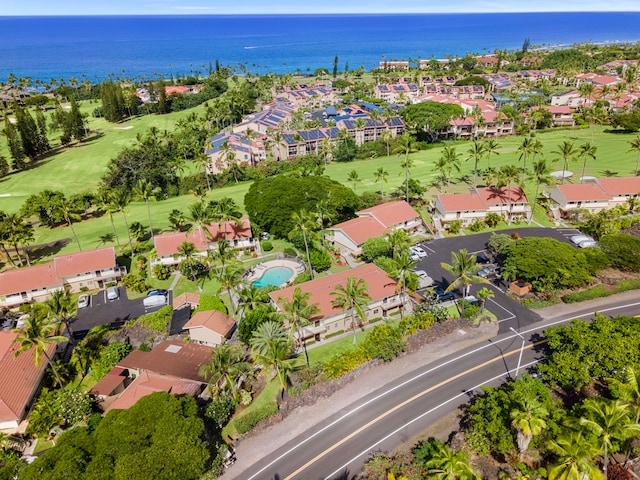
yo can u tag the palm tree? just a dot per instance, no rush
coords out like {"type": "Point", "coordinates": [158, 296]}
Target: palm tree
{"type": "Point", "coordinates": [607, 420]}
{"type": "Point", "coordinates": [105, 204]}
{"type": "Point", "coordinates": [38, 333]}
{"type": "Point", "coordinates": [627, 390]}
{"type": "Point", "coordinates": [352, 296]}
{"type": "Point", "coordinates": [565, 152]}
{"type": "Point", "coordinates": [635, 146]}
{"type": "Point", "coordinates": [575, 458]}
{"type": "Point", "coordinates": [529, 420]}
{"type": "Point", "coordinates": [441, 167]}
{"type": "Point", "coordinates": [509, 174]}
{"type": "Point", "coordinates": [452, 160]}
{"type": "Point", "coordinates": [541, 174]}
{"type": "Point", "coordinates": [119, 199]}
{"type": "Point", "coordinates": [226, 210]}
{"type": "Point", "coordinates": [17, 229]}
{"type": "Point", "coordinates": [203, 161]}
{"type": "Point", "coordinates": [491, 146]}
{"type": "Point", "coordinates": [323, 213]}
{"type": "Point", "coordinates": [144, 190]}
{"type": "Point", "coordinates": [62, 306]}
{"type": "Point", "coordinates": [585, 151]}
{"type": "Point", "coordinates": [403, 274]}
{"type": "Point", "coordinates": [354, 178]}
{"type": "Point", "coordinates": [271, 347]}
{"type": "Point", "coordinates": [303, 224]}
{"type": "Point", "coordinates": [483, 295]}
{"type": "Point", "coordinates": [381, 176]}
{"type": "Point", "coordinates": [200, 216]}
{"type": "Point", "coordinates": [398, 241]}
{"type": "Point", "coordinates": [230, 158]}
{"type": "Point", "coordinates": [405, 148]}
{"type": "Point", "coordinates": [525, 151]}
{"type": "Point", "coordinates": [226, 369]}
{"type": "Point", "coordinates": [298, 312]}
{"type": "Point", "coordinates": [447, 464]}
{"type": "Point", "coordinates": [464, 268]}
{"type": "Point", "coordinates": [476, 151]}
{"type": "Point", "coordinates": [69, 213]}
{"type": "Point", "coordinates": [229, 277]}
{"type": "Point", "coordinates": [251, 297]}
{"type": "Point", "coordinates": [223, 252]}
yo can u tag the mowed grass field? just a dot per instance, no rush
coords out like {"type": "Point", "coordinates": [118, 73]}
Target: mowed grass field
{"type": "Point", "coordinates": [80, 167]}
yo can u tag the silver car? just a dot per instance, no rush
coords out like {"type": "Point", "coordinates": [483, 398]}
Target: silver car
{"type": "Point", "coordinates": [113, 293]}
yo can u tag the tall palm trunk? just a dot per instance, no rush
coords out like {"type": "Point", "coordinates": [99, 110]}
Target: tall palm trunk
{"type": "Point", "coordinates": [115, 232]}
{"type": "Point", "coordinates": [126, 224]}
{"type": "Point", "coordinates": [149, 215]}
{"type": "Point", "coordinates": [73, 230]}
{"type": "Point", "coordinates": [304, 343]}
{"type": "Point", "coordinates": [306, 247]}
{"type": "Point", "coordinates": [55, 372]}
{"type": "Point", "coordinates": [15, 247]}
{"type": "Point", "coordinates": [353, 325]}
{"type": "Point", "coordinates": [6, 254]}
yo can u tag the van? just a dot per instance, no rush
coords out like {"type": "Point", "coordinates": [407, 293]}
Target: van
{"type": "Point", "coordinates": [113, 293]}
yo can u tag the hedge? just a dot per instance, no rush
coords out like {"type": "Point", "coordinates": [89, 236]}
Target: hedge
{"type": "Point", "coordinates": [251, 419]}
{"type": "Point", "coordinates": [157, 321]}
{"type": "Point", "coordinates": [601, 291]}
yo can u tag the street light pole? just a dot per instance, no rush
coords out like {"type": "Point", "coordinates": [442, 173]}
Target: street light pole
{"type": "Point", "coordinates": [521, 349]}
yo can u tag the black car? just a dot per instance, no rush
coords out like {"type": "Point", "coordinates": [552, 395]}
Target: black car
{"type": "Point", "coordinates": [442, 296]}
{"type": "Point", "coordinates": [157, 291]}
{"type": "Point", "coordinates": [480, 258]}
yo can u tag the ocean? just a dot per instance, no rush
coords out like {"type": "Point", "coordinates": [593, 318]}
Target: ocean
{"type": "Point", "coordinates": [93, 47]}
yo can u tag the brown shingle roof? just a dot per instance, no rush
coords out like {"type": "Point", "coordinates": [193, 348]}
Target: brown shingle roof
{"type": "Point", "coordinates": [391, 213]}
{"type": "Point", "coordinates": [19, 377]}
{"type": "Point", "coordinates": [379, 286]}
{"type": "Point", "coordinates": [176, 358]}
{"type": "Point", "coordinates": [214, 320]}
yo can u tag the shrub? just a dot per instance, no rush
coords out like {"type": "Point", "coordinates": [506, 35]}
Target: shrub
{"type": "Point", "coordinates": [219, 410]}
{"type": "Point", "coordinates": [477, 225]}
{"type": "Point", "coordinates": [622, 250]}
{"type": "Point", "coordinates": [601, 291]}
{"type": "Point", "coordinates": [338, 332]}
{"type": "Point", "coordinates": [161, 272]}
{"type": "Point", "coordinates": [135, 282]}
{"type": "Point", "coordinates": [290, 251]}
{"type": "Point", "coordinates": [157, 321]}
{"type": "Point", "coordinates": [385, 342]}
{"type": "Point", "coordinates": [266, 246]}
{"type": "Point", "coordinates": [342, 363]}
{"type": "Point", "coordinates": [374, 248]}
{"type": "Point", "coordinates": [251, 419]}
{"type": "Point", "coordinates": [492, 220]}
{"type": "Point", "coordinates": [303, 277]}
{"type": "Point", "coordinates": [109, 358]}
{"type": "Point", "coordinates": [419, 321]}
{"type": "Point", "coordinates": [320, 260]}
{"type": "Point", "coordinates": [209, 302]}
{"type": "Point", "coordinates": [385, 263]}
{"type": "Point", "coordinates": [454, 227]}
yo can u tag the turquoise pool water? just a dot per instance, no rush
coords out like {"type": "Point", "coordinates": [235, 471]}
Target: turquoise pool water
{"type": "Point", "coordinates": [275, 276]}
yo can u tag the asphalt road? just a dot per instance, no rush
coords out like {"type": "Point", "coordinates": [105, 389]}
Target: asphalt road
{"type": "Point", "coordinates": [339, 446]}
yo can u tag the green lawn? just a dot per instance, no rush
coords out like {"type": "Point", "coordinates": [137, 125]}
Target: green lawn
{"type": "Point", "coordinates": [79, 168]}
{"type": "Point", "coordinates": [268, 395]}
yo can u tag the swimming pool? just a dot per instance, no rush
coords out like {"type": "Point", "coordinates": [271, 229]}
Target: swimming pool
{"type": "Point", "coordinates": [275, 276]}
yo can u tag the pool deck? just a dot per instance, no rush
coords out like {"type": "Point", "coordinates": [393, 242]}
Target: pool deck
{"type": "Point", "coordinates": [256, 272]}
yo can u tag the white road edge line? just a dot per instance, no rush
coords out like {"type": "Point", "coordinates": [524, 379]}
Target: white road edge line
{"type": "Point", "coordinates": [412, 379]}
{"type": "Point", "coordinates": [406, 424]}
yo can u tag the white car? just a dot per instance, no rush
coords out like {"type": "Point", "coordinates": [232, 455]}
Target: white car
{"type": "Point", "coordinates": [419, 251]}
{"type": "Point", "coordinates": [113, 293]}
{"type": "Point", "coordinates": [154, 301]}
{"type": "Point", "coordinates": [588, 244]}
{"type": "Point", "coordinates": [578, 239]}
{"type": "Point", "coordinates": [414, 257]}
{"type": "Point", "coordinates": [83, 301]}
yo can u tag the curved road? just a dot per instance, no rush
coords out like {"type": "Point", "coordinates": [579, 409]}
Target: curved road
{"type": "Point", "coordinates": [339, 446]}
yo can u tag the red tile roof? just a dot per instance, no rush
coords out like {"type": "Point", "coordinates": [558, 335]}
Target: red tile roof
{"type": "Point", "coordinates": [176, 358]}
{"type": "Point", "coordinates": [186, 298]}
{"type": "Point", "coordinates": [582, 192]}
{"type": "Point", "coordinates": [361, 229]}
{"type": "Point", "coordinates": [148, 383]}
{"type": "Point", "coordinates": [379, 286]}
{"type": "Point", "coordinates": [502, 196]}
{"type": "Point", "coordinates": [83, 262]}
{"type": "Point", "coordinates": [214, 320]}
{"type": "Point", "coordinates": [620, 186]}
{"type": "Point", "coordinates": [27, 279]}
{"type": "Point", "coordinates": [170, 243]}
{"type": "Point", "coordinates": [462, 202]}
{"type": "Point", "coordinates": [391, 214]}
{"type": "Point", "coordinates": [110, 381]}
{"type": "Point", "coordinates": [20, 377]}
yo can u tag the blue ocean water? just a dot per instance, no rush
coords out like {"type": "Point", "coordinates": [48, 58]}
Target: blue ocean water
{"type": "Point", "coordinates": [141, 46]}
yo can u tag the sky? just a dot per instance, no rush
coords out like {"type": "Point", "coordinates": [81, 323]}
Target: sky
{"type": "Point", "coordinates": [214, 7]}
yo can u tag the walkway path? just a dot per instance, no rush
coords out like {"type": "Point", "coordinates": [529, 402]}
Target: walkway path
{"type": "Point", "coordinates": [175, 281]}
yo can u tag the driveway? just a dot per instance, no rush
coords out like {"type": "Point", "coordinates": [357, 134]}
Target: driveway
{"type": "Point", "coordinates": [109, 312]}
{"type": "Point", "coordinates": [510, 313]}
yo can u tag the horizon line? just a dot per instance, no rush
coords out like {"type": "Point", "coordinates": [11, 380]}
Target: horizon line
{"type": "Point", "coordinates": [186, 13]}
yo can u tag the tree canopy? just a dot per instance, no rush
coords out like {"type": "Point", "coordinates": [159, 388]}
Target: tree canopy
{"type": "Point", "coordinates": [270, 201]}
{"type": "Point", "coordinates": [428, 117]}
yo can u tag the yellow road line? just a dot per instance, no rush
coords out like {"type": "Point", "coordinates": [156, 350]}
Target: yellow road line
{"type": "Point", "coordinates": [400, 405]}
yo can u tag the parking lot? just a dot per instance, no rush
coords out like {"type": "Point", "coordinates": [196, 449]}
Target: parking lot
{"type": "Point", "coordinates": [509, 312]}
{"type": "Point", "coordinates": [102, 311]}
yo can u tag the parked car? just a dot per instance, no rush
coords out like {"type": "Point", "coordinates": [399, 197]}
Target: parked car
{"type": "Point", "coordinates": [488, 271]}
{"type": "Point", "coordinates": [481, 258]}
{"type": "Point", "coordinates": [442, 296]}
{"type": "Point", "coordinates": [83, 301]}
{"type": "Point", "coordinates": [588, 244]}
{"type": "Point", "coordinates": [113, 293]}
{"type": "Point", "coordinates": [423, 278]}
{"type": "Point", "coordinates": [414, 257]}
{"type": "Point", "coordinates": [578, 240]}
{"type": "Point", "coordinates": [157, 291]}
{"type": "Point", "coordinates": [472, 299]}
{"type": "Point", "coordinates": [419, 251]}
{"type": "Point", "coordinates": [154, 301]}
